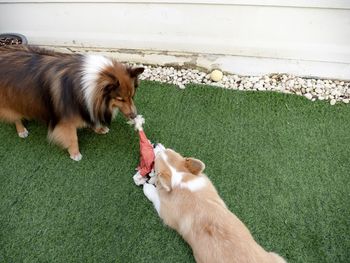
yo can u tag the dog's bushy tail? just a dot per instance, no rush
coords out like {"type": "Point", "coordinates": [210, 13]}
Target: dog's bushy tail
{"type": "Point", "coordinates": [277, 258]}
{"type": "Point", "coordinates": [32, 50]}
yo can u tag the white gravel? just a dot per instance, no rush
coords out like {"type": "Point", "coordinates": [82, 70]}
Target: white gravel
{"type": "Point", "coordinates": [333, 91]}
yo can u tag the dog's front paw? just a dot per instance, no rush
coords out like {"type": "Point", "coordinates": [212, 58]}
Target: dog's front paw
{"type": "Point", "coordinates": [139, 179]}
{"type": "Point", "coordinates": [76, 157]}
{"type": "Point", "coordinates": [150, 191]}
{"type": "Point", "coordinates": [23, 134]}
{"type": "Point", "coordinates": [101, 130]}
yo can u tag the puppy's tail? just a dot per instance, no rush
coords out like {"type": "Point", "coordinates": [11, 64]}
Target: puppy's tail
{"type": "Point", "coordinates": [277, 258]}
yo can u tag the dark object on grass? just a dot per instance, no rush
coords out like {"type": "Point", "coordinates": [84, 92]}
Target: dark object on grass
{"type": "Point", "coordinates": [12, 39]}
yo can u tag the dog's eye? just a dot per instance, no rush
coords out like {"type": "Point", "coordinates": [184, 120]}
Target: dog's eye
{"type": "Point", "coordinates": [120, 99]}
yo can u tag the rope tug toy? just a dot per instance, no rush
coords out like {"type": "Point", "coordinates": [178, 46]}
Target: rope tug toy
{"type": "Point", "coordinates": [145, 171]}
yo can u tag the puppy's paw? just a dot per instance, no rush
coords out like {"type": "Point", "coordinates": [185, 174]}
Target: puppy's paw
{"type": "Point", "coordinates": [150, 191]}
{"type": "Point", "coordinates": [23, 134]}
{"type": "Point", "coordinates": [159, 148]}
{"type": "Point", "coordinates": [139, 179]}
{"type": "Point", "coordinates": [152, 180]}
{"type": "Point", "coordinates": [76, 157]}
{"type": "Point", "coordinates": [101, 130]}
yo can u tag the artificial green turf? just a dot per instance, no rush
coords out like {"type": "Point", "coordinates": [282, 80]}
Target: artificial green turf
{"type": "Point", "coordinates": [280, 162]}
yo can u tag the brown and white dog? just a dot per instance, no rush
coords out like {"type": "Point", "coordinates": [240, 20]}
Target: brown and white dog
{"type": "Point", "coordinates": [188, 202]}
{"type": "Point", "coordinates": [66, 91]}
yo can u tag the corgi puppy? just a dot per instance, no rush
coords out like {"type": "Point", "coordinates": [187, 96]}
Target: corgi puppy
{"type": "Point", "coordinates": [188, 202]}
{"type": "Point", "coordinates": [65, 91]}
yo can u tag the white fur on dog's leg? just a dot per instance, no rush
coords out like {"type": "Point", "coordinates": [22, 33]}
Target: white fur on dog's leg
{"type": "Point", "coordinates": [152, 180]}
{"type": "Point", "coordinates": [139, 179]}
{"type": "Point", "coordinates": [151, 193]}
{"type": "Point", "coordinates": [104, 130]}
{"type": "Point", "coordinates": [76, 157]}
{"type": "Point", "coordinates": [101, 130]}
{"type": "Point", "coordinates": [23, 134]}
{"type": "Point", "coordinates": [159, 149]}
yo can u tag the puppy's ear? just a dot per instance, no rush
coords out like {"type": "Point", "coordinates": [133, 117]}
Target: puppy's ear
{"type": "Point", "coordinates": [135, 72]}
{"type": "Point", "coordinates": [195, 166]}
{"type": "Point", "coordinates": [164, 180]}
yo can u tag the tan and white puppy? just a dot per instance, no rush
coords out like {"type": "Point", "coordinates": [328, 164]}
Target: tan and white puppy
{"type": "Point", "coordinates": [188, 202]}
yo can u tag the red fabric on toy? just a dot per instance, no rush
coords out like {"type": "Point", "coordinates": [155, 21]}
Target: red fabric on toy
{"type": "Point", "coordinates": [146, 155]}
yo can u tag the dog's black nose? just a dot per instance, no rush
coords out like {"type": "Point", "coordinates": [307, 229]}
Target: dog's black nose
{"type": "Point", "coordinates": [155, 145]}
{"type": "Point", "coordinates": [132, 115]}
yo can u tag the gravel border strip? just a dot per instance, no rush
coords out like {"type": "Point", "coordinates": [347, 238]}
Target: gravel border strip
{"type": "Point", "coordinates": [313, 89]}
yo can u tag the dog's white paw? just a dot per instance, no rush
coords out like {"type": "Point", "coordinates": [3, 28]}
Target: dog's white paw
{"type": "Point", "coordinates": [23, 134]}
{"type": "Point", "coordinates": [139, 179]}
{"type": "Point", "coordinates": [152, 180]}
{"type": "Point", "coordinates": [102, 130]}
{"type": "Point", "coordinates": [150, 191]}
{"type": "Point", "coordinates": [76, 157]}
{"type": "Point", "coordinates": [158, 149]}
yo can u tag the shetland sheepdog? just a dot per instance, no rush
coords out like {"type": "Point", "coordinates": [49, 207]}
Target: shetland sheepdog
{"type": "Point", "coordinates": [66, 91]}
{"type": "Point", "coordinates": [188, 202]}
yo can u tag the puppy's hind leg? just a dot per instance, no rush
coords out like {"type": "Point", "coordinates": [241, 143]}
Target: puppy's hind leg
{"type": "Point", "coordinates": [65, 134]}
{"type": "Point", "coordinates": [151, 193]}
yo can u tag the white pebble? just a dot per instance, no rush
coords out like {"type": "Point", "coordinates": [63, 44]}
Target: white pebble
{"type": "Point", "coordinates": [291, 84]}
{"type": "Point", "coordinates": [248, 85]}
{"type": "Point", "coordinates": [309, 83]}
{"type": "Point", "coordinates": [318, 90]}
{"type": "Point", "coordinates": [258, 86]}
{"type": "Point", "coordinates": [181, 86]}
{"type": "Point", "coordinates": [308, 96]}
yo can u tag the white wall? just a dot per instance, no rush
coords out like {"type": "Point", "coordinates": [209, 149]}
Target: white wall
{"type": "Point", "coordinates": [295, 33]}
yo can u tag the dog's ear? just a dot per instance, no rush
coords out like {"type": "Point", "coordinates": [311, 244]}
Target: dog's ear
{"type": "Point", "coordinates": [111, 88]}
{"type": "Point", "coordinates": [195, 166]}
{"type": "Point", "coordinates": [164, 180]}
{"type": "Point", "coordinates": [135, 72]}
